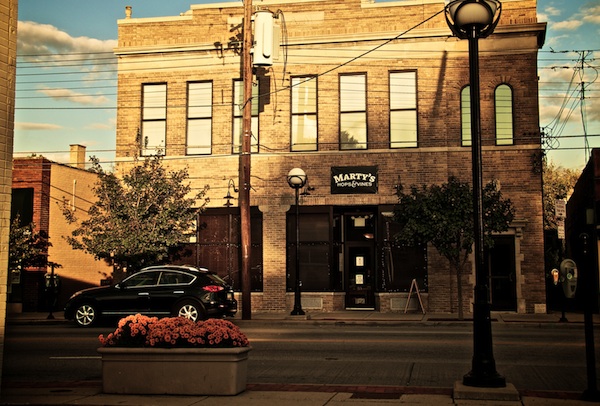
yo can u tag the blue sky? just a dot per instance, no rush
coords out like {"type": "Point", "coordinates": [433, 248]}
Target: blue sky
{"type": "Point", "coordinates": [75, 103]}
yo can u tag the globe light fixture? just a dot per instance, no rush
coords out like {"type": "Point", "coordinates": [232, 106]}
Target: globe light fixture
{"type": "Point", "coordinates": [471, 20]}
{"type": "Point", "coordinates": [296, 178]}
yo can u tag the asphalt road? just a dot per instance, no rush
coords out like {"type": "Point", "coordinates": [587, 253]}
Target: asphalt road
{"type": "Point", "coordinates": [531, 358]}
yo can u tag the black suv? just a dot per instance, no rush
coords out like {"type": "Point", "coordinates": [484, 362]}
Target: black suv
{"type": "Point", "coordinates": [167, 290]}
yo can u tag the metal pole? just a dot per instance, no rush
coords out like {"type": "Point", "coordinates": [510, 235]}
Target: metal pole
{"type": "Point", "coordinates": [483, 372]}
{"type": "Point", "coordinates": [591, 393]}
{"type": "Point", "coordinates": [244, 164]}
{"type": "Point", "coordinates": [297, 299]}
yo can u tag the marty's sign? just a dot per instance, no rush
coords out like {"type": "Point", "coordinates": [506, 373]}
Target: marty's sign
{"type": "Point", "coordinates": [353, 179]}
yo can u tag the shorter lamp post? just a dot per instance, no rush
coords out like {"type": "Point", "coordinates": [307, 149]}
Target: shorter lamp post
{"type": "Point", "coordinates": [296, 178]}
{"type": "Point", "coordinates": [471, 20]}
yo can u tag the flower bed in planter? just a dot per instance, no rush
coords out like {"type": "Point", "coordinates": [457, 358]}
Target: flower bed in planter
{"type": "Point", "coordinates": [176, 356]}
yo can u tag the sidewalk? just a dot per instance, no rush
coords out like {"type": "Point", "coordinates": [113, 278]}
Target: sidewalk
{"type": "Point", "coordinates": [90, 392]}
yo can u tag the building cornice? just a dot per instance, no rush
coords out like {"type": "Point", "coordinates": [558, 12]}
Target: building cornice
{"type": "Point", "coordinates": [538, 29]}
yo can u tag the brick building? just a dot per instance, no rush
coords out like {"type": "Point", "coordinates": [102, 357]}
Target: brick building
{"type": "Point", "coordinates": [359, 90]}
{"type": "Point", "coordinates": [583, 221]}
{"type": "Point", "coordinates": [8, 65]}
{"type": "Point", "coordinates": [39, 187]}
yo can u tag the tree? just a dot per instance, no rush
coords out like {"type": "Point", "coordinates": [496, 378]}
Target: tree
{"type": "Point", "coordinates": [27, 248]}
{"type": "Point", "coordinates": [558, 184]}
{"type": "Point", "coordinates": [443, 216]}
{"type": "Point", "coordinates": [137, 220]}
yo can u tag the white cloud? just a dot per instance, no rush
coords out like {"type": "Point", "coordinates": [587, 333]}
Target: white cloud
{"type": "Point", "coordinates": [36, 39]}
{"type": "Point", "coordinates": [591, 13]}
{"type": "Point", "coordinates": [568, 25]}
{"type": "Point", "coordinates": [593, 18]}
{"type": "Point", "coordinates": [100, 126]}
{"type": "Point", "coordinates": [37, 126]}
{"type": "Point", "coordinates": [548, 13]}
{"type": "Point", "coordinates": [74, 97]}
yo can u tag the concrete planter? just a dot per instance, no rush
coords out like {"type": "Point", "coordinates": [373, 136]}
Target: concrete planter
{"type": "Point", "coordinates": [174, 371]}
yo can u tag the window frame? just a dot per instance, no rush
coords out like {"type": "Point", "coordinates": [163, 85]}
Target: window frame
{"type": "Point", "coordinates": [238, 113]}
{"type": "Point", "coordinates": [153, 120]}
{"type": "Point", "coordinates": [500, 130]}
{"type": "Point", "coordinates": [465, 112]}
{"type": "Point", "coordinates": [304, 113]}
{"type": "Point", "coordinates": [200, 117]}
{"type": "Point", "coordinates": [348, 112]}
{"type": "Point", "coordinates": [404, 105]}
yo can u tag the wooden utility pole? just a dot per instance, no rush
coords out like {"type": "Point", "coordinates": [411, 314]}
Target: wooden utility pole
{"type": "Point", "coordinates": [244, 164]}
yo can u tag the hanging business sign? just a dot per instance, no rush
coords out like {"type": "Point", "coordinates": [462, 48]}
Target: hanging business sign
{"type": "Point", "coordinates": [353, 179]}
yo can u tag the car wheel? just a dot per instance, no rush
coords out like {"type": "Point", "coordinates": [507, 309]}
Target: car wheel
{"type": "Point", "coordinates": [85, 315]}
{"type": "Point", "coordinates": [190, 310]}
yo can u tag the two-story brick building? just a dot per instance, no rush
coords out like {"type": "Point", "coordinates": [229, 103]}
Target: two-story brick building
{"type": "Point", "coordinates": [363, 96]}
{"type": "Point", "coordinates": [40, 188]}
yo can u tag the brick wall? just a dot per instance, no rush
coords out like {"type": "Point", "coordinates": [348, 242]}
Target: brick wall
{"type": "Point", "coordinates": [52, 183]}
{"type": "Point", "coordinates": [8, 53]}
{"type": "Point", "coordinates": [79, 269]}
{"type": "Point", "coordinates": [322, 38]}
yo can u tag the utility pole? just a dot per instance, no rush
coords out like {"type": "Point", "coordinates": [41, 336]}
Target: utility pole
{"type": "Point", "coordinates": [587, 152]}
{"type": "Point", "coordinates": [245, 161]}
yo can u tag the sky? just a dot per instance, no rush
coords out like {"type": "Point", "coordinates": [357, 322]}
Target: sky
{"type": "Point", "coordinates": [66, 75]}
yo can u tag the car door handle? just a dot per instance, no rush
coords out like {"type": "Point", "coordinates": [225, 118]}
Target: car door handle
{"type": "Point", "coordinates": [143, 294]}
{"type": "Point", "coordinates": [178, 292]}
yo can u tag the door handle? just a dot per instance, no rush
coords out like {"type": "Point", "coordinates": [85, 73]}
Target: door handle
{"type": "Point", "coordinates": [143, 294]}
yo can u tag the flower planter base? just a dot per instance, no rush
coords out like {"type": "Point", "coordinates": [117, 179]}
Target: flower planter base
{"type": "Point", "coordinates": [174, 371]}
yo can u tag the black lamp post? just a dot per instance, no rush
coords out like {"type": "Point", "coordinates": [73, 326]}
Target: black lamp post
{"type": "Point", "coordinates": [474, 19]}
{"type": "Point", "coordinates": [296, 178]}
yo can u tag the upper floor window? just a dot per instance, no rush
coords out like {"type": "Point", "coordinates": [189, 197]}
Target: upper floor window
{"type": "Point", "coordinates": [199, 118]}
{"type": "Point", "coordinates": [304, 114]}
{"type": "Point", "coordinates": [465, 115]}
{"type": "Point", "coordinates": [353, 111]}
{"type": "Point", "coordinates": [403, 109]}
{"type": "Point", "coordinates": [504, 115]}
{"type": "Point", "coordinates": [238, 110]}
{"type": "Point", "coordinates": [154, 119]}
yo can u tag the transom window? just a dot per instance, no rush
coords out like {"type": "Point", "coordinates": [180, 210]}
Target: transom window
{"type": "Point", "coordinates": [304, 114]}
{"type": "Point", "coordinates": [154, 119]}
{"type": "Point", "coordinates": [199, 118]}
{"type": "Point", "coordinates": [353, 111]}
{"type": "Point", "coordinates": [403, 109]}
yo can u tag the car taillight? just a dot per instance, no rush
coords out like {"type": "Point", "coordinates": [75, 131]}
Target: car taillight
{"type": "Point", "coordinates": [213, 288]}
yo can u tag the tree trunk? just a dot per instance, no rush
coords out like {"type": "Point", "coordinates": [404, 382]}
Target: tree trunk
{"type": "Point", "coordinates": [459, 292]}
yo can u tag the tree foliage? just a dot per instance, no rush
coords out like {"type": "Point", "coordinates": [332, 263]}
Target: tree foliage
{"type": "Point", "coordinates": [137, 220]}
{"type": "Point", "coordinates": [442, 215]}
{"type": "Point", "coordinates": [558, 184]}
{"type": "Point", "coordinates": [27, 248]}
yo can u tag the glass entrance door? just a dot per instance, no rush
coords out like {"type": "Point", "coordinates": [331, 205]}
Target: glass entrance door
{"type": "Point", "coordinates": [360, 290]}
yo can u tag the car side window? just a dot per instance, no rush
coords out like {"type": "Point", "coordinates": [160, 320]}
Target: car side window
{"type": "Point", "coordinates": [142, 279]}
{"type": "Point", "coordinates": [174, 278]}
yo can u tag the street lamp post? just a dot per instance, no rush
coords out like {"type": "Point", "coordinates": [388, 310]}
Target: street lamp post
{"type": "Point", "coordinates": [471, 20]}
{"type": "Point", "coordinates": [296, 178]}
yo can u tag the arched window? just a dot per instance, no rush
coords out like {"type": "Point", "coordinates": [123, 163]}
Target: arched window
{"type": "Point", "coordinates": [504, 115]}
{"type": "Point", "coordinates": [465, 115]}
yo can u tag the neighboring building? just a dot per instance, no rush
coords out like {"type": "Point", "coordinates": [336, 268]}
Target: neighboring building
{"type": "Point", "coordinates": [39, 188]}
{"type": "Point", "coordinates": [583, 218]}
{"type": "Point", "coordinates": [363, 96]}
